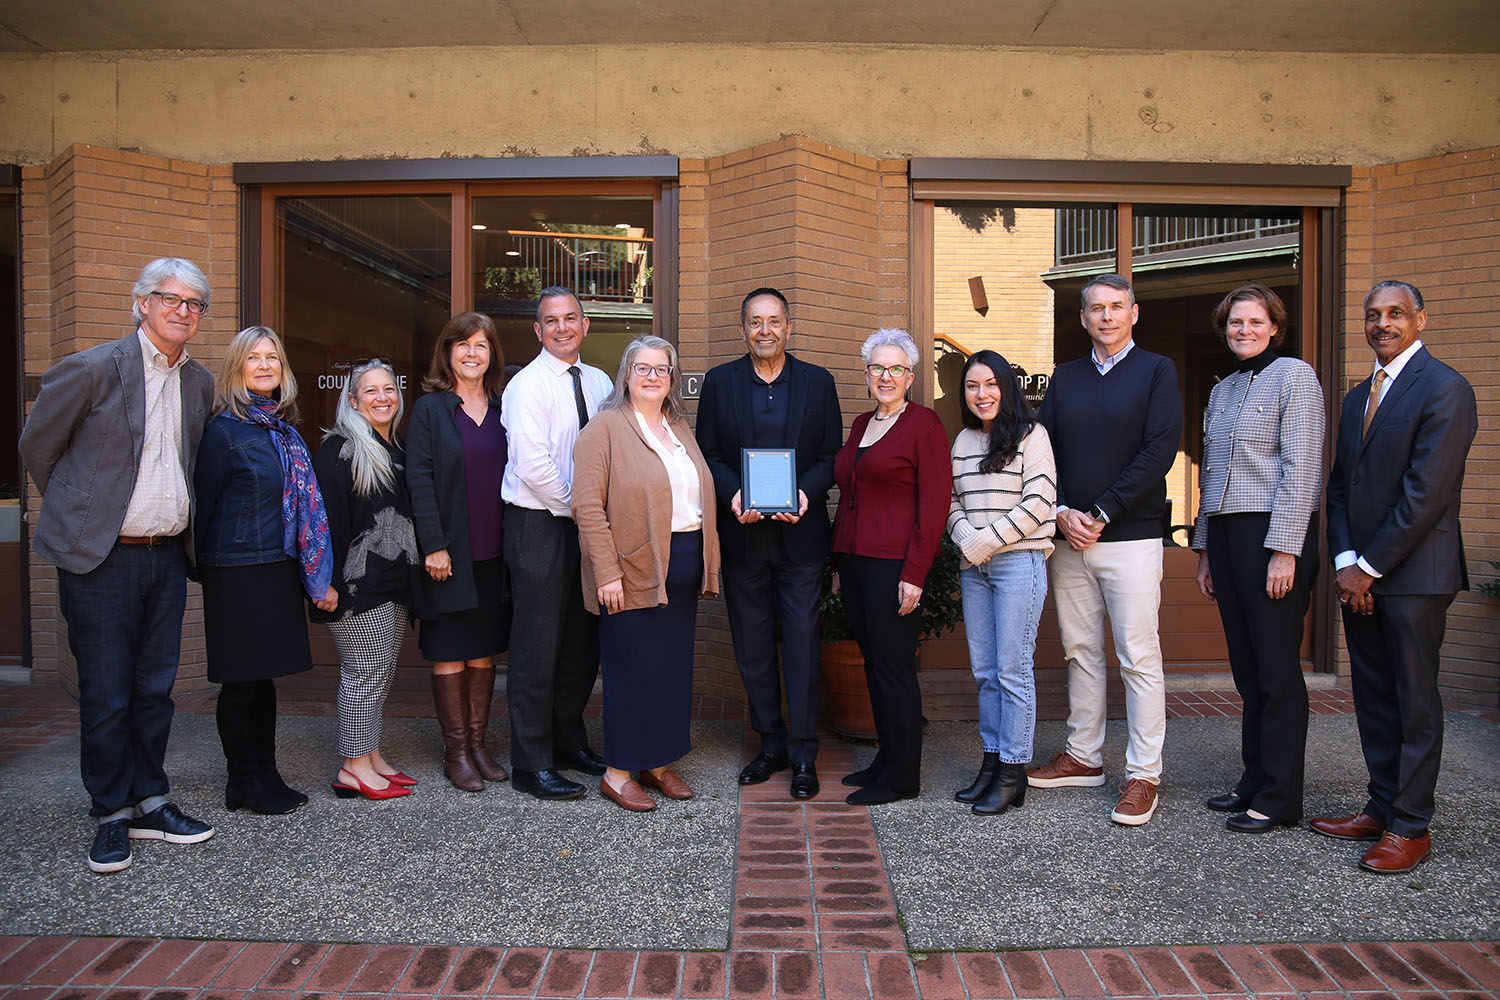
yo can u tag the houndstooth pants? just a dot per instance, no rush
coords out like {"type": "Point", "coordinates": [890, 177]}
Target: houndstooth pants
{"type": "Point", "coordinates": [368, 643]}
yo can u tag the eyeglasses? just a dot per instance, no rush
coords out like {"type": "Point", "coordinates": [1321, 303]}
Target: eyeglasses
{"type": "Point", "coordinates": [894, 371]}
{"type": "Point", "coordinates": [660, 371]}
{"type": "Point", "coordinates": [195, 306]}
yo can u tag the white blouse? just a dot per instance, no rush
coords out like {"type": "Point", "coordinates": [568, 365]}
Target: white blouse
{"type": "Point", "coordinates": [687, 494]}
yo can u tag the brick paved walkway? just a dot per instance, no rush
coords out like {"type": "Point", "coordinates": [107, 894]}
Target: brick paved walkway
{"type": "Point", "coordinates": [813, 916]}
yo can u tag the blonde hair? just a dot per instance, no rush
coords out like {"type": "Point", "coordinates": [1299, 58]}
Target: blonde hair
{"type": "Point", "coordinates": [230, 392]}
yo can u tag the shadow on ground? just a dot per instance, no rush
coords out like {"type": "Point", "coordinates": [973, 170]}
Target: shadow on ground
{"type": "Point", "coordinates": [1058, 873]}
{"type": "Point", "coordinates": [439, 865]}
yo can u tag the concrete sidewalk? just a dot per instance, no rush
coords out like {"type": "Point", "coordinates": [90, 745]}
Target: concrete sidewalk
{"type": "Point", "coordinates": [738, 892]}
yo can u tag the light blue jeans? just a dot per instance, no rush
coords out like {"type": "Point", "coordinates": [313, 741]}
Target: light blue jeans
{"type": "Point", "coordinates": [1002, 606]}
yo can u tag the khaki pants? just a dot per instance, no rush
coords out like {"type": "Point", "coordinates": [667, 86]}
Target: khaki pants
{"type": "Point", "coordinates": [1122, 580]}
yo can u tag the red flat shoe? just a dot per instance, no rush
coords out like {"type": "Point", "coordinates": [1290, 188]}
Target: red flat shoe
{"type": "Point", "coordinates": [391, 791]}
{"type": "Point", "coordinates": [404, 780]}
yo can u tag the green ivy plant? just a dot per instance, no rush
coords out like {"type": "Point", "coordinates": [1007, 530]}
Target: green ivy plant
{"type": "Point", "coordinates": [1490, 588]}
{"type": "Point", "coordinates": [942, 605]}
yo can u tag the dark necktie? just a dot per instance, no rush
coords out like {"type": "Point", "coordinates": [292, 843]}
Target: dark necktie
{"type": "Point", "coordinates": [583, 408]}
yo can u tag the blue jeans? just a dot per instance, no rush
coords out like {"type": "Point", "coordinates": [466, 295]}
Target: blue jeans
{"type": "Point", "coordinates": [125, 629]}
{"type": "Point", "coordinates": [1002, 606]}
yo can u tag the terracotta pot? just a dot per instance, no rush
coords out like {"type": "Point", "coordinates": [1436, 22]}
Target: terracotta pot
{"type": "Point", "coordinates": [846, 696]}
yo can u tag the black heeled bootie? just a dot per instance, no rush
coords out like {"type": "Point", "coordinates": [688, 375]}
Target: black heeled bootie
{"type": "Point", "coordinates": [1008, 789]}
{"type": "Point", "coordinates": [981, 781]}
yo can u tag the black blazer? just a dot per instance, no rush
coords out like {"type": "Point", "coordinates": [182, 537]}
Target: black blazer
{"type": "Point", "coordinates": [816, 428]}
{"type": "Point", "coordinates": [440, 502]}
{"type": "Point", "coordinates": [1393, 497]}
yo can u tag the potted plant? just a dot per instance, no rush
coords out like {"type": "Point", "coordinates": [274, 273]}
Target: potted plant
{"type": "Point", "coordinates": [845, 692]}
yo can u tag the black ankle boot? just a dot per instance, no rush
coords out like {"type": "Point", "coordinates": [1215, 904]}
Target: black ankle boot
{"type": "Point", "coordinates": [1008, 789]}
{"type": "Point", "coordinates": [981, 781]}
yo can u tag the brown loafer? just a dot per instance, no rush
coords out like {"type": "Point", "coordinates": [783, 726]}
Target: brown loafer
{"type": "Point", "coordinates": [1360, 826]}
{"type": "Point", "coordinates": [1395, 854]}
{"type": "Point", "coordinates": [669, 784]}
{"type": "Point", "coordinates": [632, 796]}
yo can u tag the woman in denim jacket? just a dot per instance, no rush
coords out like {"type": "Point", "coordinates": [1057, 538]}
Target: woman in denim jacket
{"type": "Point", "coordinates": [262, 542]}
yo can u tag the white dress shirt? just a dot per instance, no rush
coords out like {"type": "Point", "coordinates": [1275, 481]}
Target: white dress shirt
{"type": "Point", "coordinates": [687, 492]}
{"type": "Point", "coordinates": [1392, 372]}
{"type": "Point", "coordinates": [159, 504]}
{"type": "Point", "coordinates": [541, 427]}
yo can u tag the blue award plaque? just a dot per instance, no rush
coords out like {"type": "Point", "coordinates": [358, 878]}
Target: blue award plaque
{"type": "Point", "coordinates": [769, 478]}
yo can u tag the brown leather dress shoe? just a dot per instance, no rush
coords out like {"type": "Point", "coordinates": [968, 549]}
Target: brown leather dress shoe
{"type": "Point", "coordinates": [1394, 854]}
{"type": "Point", "coordinates": [1360, 826]}
{"type": "Point", "coordinates": [669, 784]}
{"type": "Point", "coordinates": [631, 796]}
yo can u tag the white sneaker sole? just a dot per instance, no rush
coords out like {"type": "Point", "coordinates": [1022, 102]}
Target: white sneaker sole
{"type": "Point", "coordinates": [1126, 820]}
{"type": "Point", "coordinates": [1082, 781]}
{"type": "Point", "coordinates": [106, 867]}
{"type": "Point", "coordinates": [171, 838]}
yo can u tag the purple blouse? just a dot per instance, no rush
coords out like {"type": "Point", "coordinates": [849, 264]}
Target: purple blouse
{"type": "Point", "coordinates": [484, 465]}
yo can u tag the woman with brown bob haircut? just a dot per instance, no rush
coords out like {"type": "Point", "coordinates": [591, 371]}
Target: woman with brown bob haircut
{"type": "Point", "coordinates": [455, 447]}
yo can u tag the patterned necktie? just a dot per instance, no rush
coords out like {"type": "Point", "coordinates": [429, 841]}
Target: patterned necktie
{"type": "Point", "coordinates": [1374, 403]}
{"type": "Point", "coordinates": [583, 409]}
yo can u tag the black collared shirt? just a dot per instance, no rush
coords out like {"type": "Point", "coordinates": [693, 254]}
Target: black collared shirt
{"type": "Point", "coordinates": [768, 408]}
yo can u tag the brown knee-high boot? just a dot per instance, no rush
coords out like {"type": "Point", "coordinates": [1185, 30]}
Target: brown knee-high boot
{"type": "Point", "coordinates": [448, 694]}
{"type": "Point", "coordinates": [481, 683]}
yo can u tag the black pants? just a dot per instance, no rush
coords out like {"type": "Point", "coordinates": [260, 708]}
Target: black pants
{"type": "Point", "coordinates": [1265, 639]}
{"type": "Point", "coordinates": [1393, 663]}
{"type": "Point", "coordinates": [554, 642]}
{"type": "Point", "coordinates": [765, 590]}
{"type": "Point", "coordinates": [889, 643]}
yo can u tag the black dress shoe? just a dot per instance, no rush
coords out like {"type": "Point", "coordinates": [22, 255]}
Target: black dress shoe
{"type": "Point", "coordinates": [877, 795]}
{"type": "Point", "coordinates": [583, 759]}
{"type": "Point", "coordinates": [804, 781]}
{"type": "Point", "coordinates": [546, 785]}
{"type": "Point", "coordinates": [762, 767]}
{"type": "Point", "coordinates": [864, 776]}
{"type": "Point", "coordinates": [1229, 802]}
{"type": "Point", "coordinates": [1245, 823]}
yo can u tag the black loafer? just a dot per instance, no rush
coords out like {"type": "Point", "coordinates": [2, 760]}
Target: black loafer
{"type": "Point", "coordinates": [804, 781]}
{"type": "Point", "coordinates": [1245, 823]}
{"type": "Point", "coordinates": [547, 785]}
{"type": "Point", "coordinates": [583, 759]}
{"type": "Point", "coordinates": [1229, 802]}
{"type": "Point", "coordinates": [762, 767]}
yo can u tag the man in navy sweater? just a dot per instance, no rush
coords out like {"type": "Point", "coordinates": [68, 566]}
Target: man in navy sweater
{"type": "Point", "coordinates": [1115, 418]}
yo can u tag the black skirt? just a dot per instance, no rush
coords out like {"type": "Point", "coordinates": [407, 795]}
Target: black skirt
{"type": "Point", "coordinates": [480, 631]}
{"type": "Point", "coordinates": [254, 622]}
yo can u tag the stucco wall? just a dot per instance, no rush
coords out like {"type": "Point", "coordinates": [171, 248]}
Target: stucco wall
{"type": "Point", "coordinates": [705, 100]}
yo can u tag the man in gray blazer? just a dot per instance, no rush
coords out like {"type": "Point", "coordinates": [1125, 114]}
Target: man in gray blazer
{"type": "Point", "coordinates": [1393, 499]}
{"type": "Point", "coordinates": [111, 442]}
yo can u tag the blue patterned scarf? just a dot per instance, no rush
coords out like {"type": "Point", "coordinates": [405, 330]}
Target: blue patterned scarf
{"type": "Point", "coordinates": [305, 535]}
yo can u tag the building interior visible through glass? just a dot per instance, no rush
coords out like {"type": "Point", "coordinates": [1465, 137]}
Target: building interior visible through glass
{"type": "Point", "coordinates": [372, 275]}
{"type": "Point", "coordinates": [1032, 261]}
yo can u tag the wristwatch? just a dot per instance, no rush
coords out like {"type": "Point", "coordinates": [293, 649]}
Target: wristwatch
{"type": "Point", "coordinates": [1097, 513]}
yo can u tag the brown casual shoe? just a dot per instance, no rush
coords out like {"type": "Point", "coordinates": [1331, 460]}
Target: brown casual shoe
{"type": "Point", "coordinates": [1064, 770]}
{"type": "Point", "coordinates": [1393, 854]}
{"type": "Point", "coordinates": [669, 784]}
{"type": "Point", "coordinates": [630, 796]}
{"type": "Point", "coordinates": [1360, 826]}
{"type": "Point", "coordinates": [1137, 803]}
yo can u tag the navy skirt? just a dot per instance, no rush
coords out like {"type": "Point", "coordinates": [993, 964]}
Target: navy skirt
{"type": "Point", "coordinates": [481, 631]}
{"type": "Point", "coordinates": [647, 659]}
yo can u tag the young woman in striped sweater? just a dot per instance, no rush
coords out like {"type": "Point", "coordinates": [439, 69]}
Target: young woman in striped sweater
{"type": "Point", "coordinates": [1002, 519]}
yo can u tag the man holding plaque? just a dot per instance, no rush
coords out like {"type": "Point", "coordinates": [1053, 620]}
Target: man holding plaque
{"type": "Point", "coordinates": [765, 402]}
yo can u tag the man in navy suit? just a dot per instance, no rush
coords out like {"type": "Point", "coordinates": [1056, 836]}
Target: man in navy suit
{"type": "Point", "coordinates": [1393, 499]}
{"type": "Point", "coordinates": [773, 565]}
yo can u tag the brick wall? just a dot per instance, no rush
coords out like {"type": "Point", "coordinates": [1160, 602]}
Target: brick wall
{"type": "Point", "coordinates": [1436, 223]}
{"type": "Point", "coordinates": [90, 220]}
{"type": "Point", "coordinates": [827, 227]}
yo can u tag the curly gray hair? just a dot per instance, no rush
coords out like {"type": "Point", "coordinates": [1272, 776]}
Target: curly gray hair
{"type": "Point", "coordinates": [891, 337]}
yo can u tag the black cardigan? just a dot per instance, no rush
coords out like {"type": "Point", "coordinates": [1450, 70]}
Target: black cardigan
{"type": "Point", "coordinates": [439, 491]}
{"type": "Point", "coordinates": [382, 525]}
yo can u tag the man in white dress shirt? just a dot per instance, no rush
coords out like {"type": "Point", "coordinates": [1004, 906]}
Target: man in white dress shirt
{"type": "Point", "coordinates": [554, 649]}
{"type": "Point", "coordinates": [111, 442]}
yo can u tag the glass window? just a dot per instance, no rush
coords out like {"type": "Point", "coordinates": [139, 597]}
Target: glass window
{"type": "Point", "coordinates": [360, 276]}
{"type": "Point", "coordinates": [600, 246]}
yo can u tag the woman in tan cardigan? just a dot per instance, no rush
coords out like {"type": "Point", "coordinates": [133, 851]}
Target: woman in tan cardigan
{"type": "Point", "coordinates": [643, 500]}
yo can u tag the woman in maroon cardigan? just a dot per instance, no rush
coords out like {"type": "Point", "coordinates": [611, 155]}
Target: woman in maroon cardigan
{"type": "Point", "coordinates": [895, 483]}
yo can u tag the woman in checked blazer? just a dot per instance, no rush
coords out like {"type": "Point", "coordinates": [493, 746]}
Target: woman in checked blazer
{"type": "Point", "coordinates": [1260, 482]}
